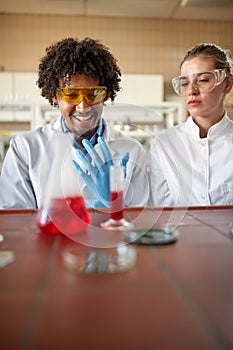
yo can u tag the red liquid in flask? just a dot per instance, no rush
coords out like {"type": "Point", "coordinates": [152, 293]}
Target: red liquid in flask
{"type": "Point", "coordinates": [64, 216]}
{"type": "Point", "coordinates": [117, 201]}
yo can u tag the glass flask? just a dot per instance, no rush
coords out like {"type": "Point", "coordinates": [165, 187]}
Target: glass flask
{"type": "Point", "coordinates": [63, 209]}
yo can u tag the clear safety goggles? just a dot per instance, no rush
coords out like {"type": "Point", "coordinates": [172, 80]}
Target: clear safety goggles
{"type": "Point", "coordinates": [204, 81]}
{"type": "Point", "coordinates": [74, 95]}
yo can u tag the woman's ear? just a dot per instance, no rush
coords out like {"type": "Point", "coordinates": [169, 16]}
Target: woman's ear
{"type": "Point", "coordinates": [229, 83]}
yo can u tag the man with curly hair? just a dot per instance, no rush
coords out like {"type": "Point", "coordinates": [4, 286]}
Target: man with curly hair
{"type": "Point", "coordinates": [77, 76]}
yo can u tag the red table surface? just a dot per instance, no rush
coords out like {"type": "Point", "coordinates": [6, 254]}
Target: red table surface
{"type": "Point", "coordinates": [177, 296]}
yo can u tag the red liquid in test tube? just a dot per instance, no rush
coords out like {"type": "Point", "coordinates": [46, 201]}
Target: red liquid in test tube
{"type": "Point", "coordinates": [117, 220]}
{"type": "Point", "coordinates": [117, 204]}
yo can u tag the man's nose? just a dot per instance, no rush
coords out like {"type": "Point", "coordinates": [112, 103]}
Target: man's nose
{"type": "Point", "coordinates": [82, 104]}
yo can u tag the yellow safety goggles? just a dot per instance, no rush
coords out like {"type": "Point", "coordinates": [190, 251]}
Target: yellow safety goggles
{"type": "Point", "coordinates": [75, 94]}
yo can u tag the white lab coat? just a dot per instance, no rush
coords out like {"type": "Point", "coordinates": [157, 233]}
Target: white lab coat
{"type": "Point", "coordinates": [28, 161]}
{"type": "Point", "coordinates": [187, 170]}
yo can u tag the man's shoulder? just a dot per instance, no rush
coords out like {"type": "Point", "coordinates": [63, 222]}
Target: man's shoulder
{"type": "Point", "coordinates": [114, 135]}
{"type": "Point", "coordinates": [43, 132]}
{"type": "Point", "coordinates": [120, 142]}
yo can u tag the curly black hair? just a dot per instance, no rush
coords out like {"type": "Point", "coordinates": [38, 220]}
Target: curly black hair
{"type": "Point", "coordinates": [70, 56]}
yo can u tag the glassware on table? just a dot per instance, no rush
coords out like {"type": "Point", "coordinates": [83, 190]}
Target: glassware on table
{"type": "Point", "coordinates": [88, 260]}
{"type": "Point", "coordinates": [158, 236]}
{"type": "Point", "coordinates": [117, 220]}
{"type": "Point", "coordinates": [63, 209]}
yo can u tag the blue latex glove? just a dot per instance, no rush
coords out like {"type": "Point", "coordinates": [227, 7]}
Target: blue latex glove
{"type": "Point", "coordinates": [97, 177]}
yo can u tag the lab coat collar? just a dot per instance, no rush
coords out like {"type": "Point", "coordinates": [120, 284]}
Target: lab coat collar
{"type": "Point", "coordinates": [216, 129]}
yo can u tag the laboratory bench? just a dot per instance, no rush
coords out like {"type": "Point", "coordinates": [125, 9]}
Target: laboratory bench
{"type": "Point", "coordinates": [174, 296]}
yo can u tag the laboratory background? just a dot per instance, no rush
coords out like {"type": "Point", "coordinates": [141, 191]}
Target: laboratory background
{"type": "Point", "coordinates": [148, 37]}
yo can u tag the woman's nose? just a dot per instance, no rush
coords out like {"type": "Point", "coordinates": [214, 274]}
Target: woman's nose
{"type": "Point", "coordinates": [193, 89]}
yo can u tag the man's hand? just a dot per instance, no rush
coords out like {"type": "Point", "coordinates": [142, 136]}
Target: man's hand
{"type": "Point", "coordinates": [97, 176]}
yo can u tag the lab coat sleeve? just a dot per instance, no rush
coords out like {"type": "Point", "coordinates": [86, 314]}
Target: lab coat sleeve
{"type": "Point", "coordinates": [16, 190]}
{"type": "Point", "coordinates": [160, 193]}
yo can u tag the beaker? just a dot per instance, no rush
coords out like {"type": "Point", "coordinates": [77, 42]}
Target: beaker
{"type": "Point", "coordinates": [63, 210]}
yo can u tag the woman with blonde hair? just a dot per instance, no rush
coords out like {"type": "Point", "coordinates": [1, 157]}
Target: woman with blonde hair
{"type": "Point", "coordinates": [192, 163]}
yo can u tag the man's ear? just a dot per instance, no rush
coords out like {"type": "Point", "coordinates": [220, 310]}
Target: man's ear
{"type": "Point", "coordinates": [229, 83]}
{"type": "Point", "coordinates": [54, 99]}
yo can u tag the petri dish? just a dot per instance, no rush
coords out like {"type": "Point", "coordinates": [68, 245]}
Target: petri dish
{"type": "Point", "coordinates": [153, 237]}
{"type": "Point", "coordinates": [88, 260]}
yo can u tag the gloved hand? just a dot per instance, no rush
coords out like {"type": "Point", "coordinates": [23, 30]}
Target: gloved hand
{"type": "Point", "coordinates": [97, 177]}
